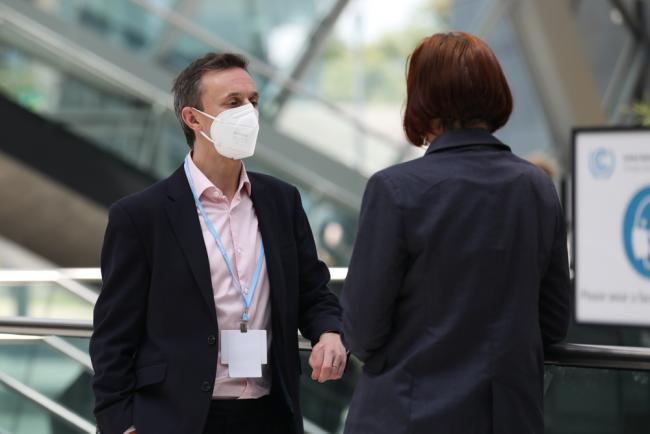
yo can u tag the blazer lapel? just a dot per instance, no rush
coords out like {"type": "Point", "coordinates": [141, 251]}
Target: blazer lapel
{"type": "Point", "coordinates": [266, 218]}
{"type": "Point", "coordinates": [184, 220]}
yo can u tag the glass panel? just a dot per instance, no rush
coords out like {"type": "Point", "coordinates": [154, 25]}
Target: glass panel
{"type": "Point", "coordinates": [596, 401]}
{"type": "Point", "coordinates": [92, 112]}
{"type": "Point", "coordinates": [18, 415]}
{"type": "Point", "coordinates": [42, 300]}
{"type": "Point", "coordinates": [36, 364]}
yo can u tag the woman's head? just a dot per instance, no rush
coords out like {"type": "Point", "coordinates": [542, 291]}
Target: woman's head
{"type": "Point", "coordinates": [454, 81]}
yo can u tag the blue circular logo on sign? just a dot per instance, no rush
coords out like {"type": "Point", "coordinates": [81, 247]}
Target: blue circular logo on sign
{"type": "Point", "coordinates": [636, 232]}
{"type": "Point", "coordinates": [602, 163]}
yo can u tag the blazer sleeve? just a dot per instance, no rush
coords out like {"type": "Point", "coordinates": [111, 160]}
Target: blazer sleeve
{"type": "Point", "coordinates": [555, 289]}
{"type": "Point", "coordinates": [377, 268]}
{"type": "Point", "coordinates": [319, 309]}
{"type": "Point", "coordinates": [118, 323]}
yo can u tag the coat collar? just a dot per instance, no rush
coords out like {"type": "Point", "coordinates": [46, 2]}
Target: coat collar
{"type": "Point", "coordinates": [464, 138]}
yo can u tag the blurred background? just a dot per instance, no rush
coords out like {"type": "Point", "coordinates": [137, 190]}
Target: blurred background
{"type": "Point", "coordinates": [87, 118]}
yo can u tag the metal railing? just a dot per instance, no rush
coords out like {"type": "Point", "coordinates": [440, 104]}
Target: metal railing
{"type": "Point", "coordinates": [564, 354]}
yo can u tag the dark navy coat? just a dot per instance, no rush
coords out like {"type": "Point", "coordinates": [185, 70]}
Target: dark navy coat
{"type": "Point", "coordinates": [155, 340]}
{"type": "Point", "coordinates": [458, 278]}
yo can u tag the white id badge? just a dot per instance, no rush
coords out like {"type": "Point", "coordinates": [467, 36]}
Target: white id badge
{"type": "Point", "coordinates": [244, 353]}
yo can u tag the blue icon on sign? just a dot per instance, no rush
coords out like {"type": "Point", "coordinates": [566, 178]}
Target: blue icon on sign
{"type": "Point", "coordinates": [636, 232]}
{"type": "Point", "coordinates": [602, 163]}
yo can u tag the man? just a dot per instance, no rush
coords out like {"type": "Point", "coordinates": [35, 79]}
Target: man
{"type": "Point", "coordinates": [207, 276]}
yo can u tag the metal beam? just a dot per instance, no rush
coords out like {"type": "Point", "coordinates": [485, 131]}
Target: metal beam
{"type": "Point", "coordinates": [636, 28]}
{"type": "Point", "coordinates": [310, 51]}
{"type": "Point", "coordinates": [70, 351]}
{"type": "Point", "coordinates": [52, 407]}
{"type": "Point", "coordinates": [561, 71]}
{"type": "Point", "coordinates": [170, 34]}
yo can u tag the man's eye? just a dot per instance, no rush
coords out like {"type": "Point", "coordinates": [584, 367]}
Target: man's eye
{"type": "Point", "coordinates": [255, 103]}
{"type": "Point", "coordinates": [233, 103]}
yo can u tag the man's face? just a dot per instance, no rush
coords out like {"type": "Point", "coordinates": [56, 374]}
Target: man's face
{"type": "Point", "coordinates": [223, 90]}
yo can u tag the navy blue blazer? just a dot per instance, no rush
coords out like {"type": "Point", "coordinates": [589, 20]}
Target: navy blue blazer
{"type": "Point", "coordinates": [458, 278]}
{"type": "Point", "coordinates": [155, 340]}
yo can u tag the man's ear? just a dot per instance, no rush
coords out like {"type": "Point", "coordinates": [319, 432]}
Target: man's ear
{"type": "Point", "coordinates": [190, 118]}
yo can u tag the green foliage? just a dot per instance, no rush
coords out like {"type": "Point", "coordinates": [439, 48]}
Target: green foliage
{"type": "Point", "coordinates": [382, 62]}
{"type": "Point", "coordinates": [642, 112]}
{"type": "Point", "coordinates": [19, 86]}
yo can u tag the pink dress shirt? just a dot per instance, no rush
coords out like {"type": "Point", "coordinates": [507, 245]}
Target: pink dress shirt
{"type": "Point", "coordinates": [236, 223]}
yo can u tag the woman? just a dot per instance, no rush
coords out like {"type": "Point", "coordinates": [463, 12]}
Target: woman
{"type": "Point", "coordinates": [459, 274]}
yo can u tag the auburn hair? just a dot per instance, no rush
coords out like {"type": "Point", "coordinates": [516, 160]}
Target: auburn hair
{"type": "Point", "coordinates": [454, 79]}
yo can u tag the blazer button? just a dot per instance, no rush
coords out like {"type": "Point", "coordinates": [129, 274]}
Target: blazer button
{"type": "Point", "coordinates": [206, 387]}
{"type": "Point", "coordinates": [212, 339]}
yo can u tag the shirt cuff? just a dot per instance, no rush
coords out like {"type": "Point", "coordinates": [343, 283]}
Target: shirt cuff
{"type": "Point", "coordinates": [130, 430]}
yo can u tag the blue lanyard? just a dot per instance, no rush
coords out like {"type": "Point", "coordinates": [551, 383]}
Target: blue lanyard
{"type": "Point", "coordinates": [260, 260]}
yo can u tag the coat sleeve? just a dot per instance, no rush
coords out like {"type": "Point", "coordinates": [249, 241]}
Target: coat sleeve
{"type": "Point", "coordinates": [377, 269]}
{"type": "Point", "coordinates": [319, 309]}
{"type": "Point", "coordinates": [118, 322]}
{"type": "Point", "coordinates": [555, 289]}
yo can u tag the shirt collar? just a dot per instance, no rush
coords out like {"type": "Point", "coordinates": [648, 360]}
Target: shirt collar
{"type": "Point", "coordinates": [202, 183]}
{"type": "Point", "coordinates": [466, 137]}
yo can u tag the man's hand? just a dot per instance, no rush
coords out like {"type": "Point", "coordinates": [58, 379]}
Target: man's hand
{"type": "Point", "coordinates": [328, 358]}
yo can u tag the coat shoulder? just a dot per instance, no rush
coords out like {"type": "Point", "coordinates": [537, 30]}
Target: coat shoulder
{"type": "Point", "coordinates": [272, 184]}
{"type": "Point", "coordinates": [148, 199]}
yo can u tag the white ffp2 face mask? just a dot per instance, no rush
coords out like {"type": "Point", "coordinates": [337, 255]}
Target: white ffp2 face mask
{"type": "Point", "coordinates": [234, 131]}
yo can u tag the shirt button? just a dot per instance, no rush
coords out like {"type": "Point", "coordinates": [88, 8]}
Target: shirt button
{"type": "Point", "coordinates": [206, 386]}
{"type": "Point", "coordinates": [212, 339]}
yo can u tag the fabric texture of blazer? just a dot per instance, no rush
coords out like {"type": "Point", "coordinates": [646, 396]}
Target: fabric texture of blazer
{"type": "Point", "coordinates": [458, 278]}
{"type": "Point", "coordinates": [155, 340]}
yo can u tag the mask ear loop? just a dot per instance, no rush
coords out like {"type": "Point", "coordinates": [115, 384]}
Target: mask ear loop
{"type": "Point", "coordinates": [204, 113]}
{"type": "Point", "coordinates": [203, 132]}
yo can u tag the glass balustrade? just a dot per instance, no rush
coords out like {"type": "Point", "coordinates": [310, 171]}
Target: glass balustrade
{"type": "Point", "coordinates": [596, 401]}
{"type": "Point", "coordinates": [577, 400]}
{"type": "Point", "coordinates": [35, 370]}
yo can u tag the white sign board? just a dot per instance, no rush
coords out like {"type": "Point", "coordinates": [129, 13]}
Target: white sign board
{"type": "Point", "coordinates": [612, 226]}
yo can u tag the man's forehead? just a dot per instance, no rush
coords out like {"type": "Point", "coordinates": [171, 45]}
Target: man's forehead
{"type": "Point", "coordinates": [229, 81]}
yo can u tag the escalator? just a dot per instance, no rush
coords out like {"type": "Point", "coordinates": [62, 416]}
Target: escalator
{"type": "Point", "coordinates": [91, 70]}
{"type": "Point", "coordinates": [57, 182]}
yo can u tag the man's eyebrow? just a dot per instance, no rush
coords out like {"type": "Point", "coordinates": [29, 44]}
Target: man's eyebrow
{"type": "Point", "coordinates": [238, 94]}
